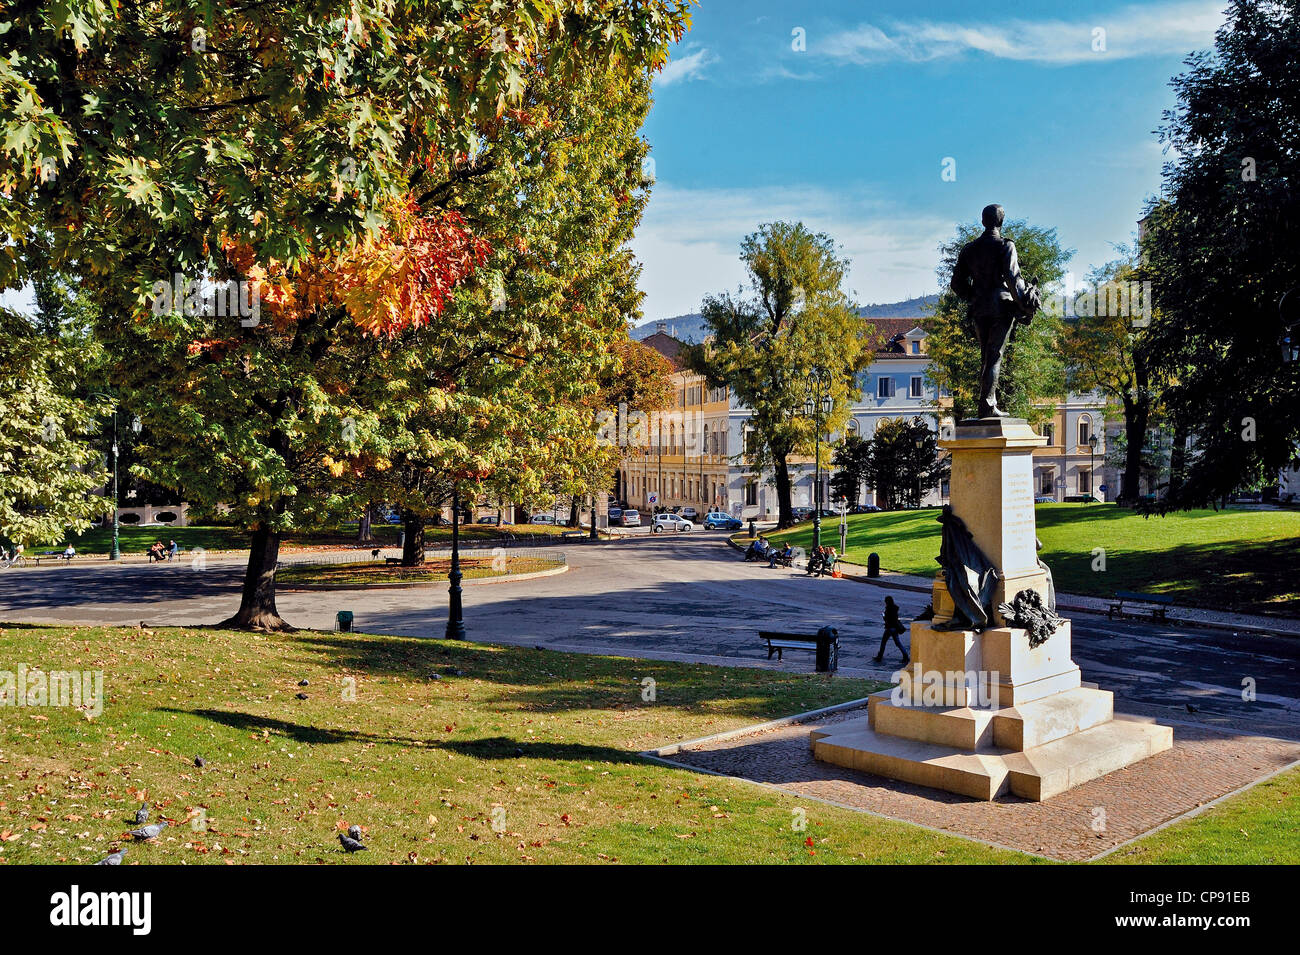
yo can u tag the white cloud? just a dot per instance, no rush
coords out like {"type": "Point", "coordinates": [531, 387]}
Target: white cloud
{"type": "Point", "coordinates": [687, 67]}
{"type": "Point", "coordinates": [689, 241]}
{"type": "Point", "coordinates": [1146, 30]}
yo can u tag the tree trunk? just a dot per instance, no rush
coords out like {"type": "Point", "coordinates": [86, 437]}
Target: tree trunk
{"type": "Point", "coordinates": [1136, 415]}
{"type": "Point", "coordinates": [257, 602]}
{"type": "Point", "coordinates": [413, 543]}
{"type": "Point", "coordinates": [573, 511]}
{"type": "Point", "coordinates": [1177, 459]}
{"type": "Point", "coordinates": [364, 534]}
{"type": "Point", "coordinates": [784, 510]}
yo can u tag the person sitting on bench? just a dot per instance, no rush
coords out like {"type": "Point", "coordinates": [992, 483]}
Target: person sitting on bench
{"type": "Point", "coordinates": [815, 560]}
{"type": "Point", "coordinates": [70, 553]}
{"type": "Point", "coordinates": [782, 556]}
{"type": "Point", "coordinates": [157, 552]}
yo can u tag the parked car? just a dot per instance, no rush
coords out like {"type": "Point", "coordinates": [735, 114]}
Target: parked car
{"type": "Point", "coordinates": [542, 519]}
{"type": "Point", "coordinates": [689, 513]}
{"type": "Point", "coordinates": [671, 522]}
{"type": "Point", "coordinates": [631, 518]}
{"type": "Point", "coordinates": [489, 519]}
{"type": "Point", "coordinates": [864, 509]}
{"type": "Point", "coordinates": [615, 514]}
{"type": "Point", "coordinates": [718, 520]}
{"type": "Point", "coordinates": [801, 513]}
{"type": "Point", "coordinates": [1044, 499]}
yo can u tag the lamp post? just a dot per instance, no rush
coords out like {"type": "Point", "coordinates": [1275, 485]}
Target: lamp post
{"type": "Point", "coordinates": [455, 611]}
{"type": "Point", "coordinates": [817, 406]}
{"type": "Point", "coordinates": [920, 443]}
{"type": "Point", "coordinates": [1092, 464]}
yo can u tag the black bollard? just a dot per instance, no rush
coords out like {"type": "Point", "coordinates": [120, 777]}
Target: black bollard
{"type": "Point", "coordinates": [873, 565]}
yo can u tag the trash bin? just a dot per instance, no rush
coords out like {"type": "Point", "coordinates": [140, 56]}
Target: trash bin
{"type": "Point", "coordinates": [345, 621]}
{"type": "Point", "coordinates": [828, 647]}
{"type": "Point", "coordinates": [752, 528]}
{"type": "Point", "coordinates": [873, 565]}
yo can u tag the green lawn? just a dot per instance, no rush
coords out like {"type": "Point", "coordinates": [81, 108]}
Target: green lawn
{"type": "Point", "coordinates": [136, 540]}
{"type": "Point", "coordinates": [1247, 561]}
{"type": "Point", "coordinates": [526, 756]}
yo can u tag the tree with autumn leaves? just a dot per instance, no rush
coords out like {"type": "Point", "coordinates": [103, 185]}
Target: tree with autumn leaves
{"type": "Point", "coordinates": [339, 158]}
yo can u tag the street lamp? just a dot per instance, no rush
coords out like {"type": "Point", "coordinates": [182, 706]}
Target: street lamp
{"type": "Point", "coordinates": [818, 406]}
{"type": "Point", "coordinates": [1092, 463]}
{"type": "Point", "coordinates": [920, 443]}
{"type": "Point", "coordinates": [455, 611]}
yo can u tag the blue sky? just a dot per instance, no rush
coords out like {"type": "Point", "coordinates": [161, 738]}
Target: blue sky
{"type": "Point", "coordinates": [850, 134]}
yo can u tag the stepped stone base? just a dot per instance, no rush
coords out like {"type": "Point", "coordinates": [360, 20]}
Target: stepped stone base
{"type": "Point", "coordinates": [988, 771]}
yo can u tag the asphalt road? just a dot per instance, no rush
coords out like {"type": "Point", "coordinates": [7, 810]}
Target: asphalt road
{"type": "Point", "coordinates": [688, 597]}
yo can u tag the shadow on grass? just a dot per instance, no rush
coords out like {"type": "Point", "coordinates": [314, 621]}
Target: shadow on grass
{"type": "Point", "coordinates": [492, 747]}
{"type": "Point", "coordinates": [551, 681]}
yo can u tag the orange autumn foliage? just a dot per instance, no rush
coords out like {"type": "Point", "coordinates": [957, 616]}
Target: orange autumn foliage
{"type": "Point", "coordinates": [400, 278]}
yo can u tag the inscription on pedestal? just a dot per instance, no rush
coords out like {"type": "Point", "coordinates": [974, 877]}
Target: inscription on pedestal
{"type": "Point", "coordinates": [1019, 543]}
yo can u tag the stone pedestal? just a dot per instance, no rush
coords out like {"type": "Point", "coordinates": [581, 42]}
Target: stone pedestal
{"type": "Point", "coordinates": [983, 713]}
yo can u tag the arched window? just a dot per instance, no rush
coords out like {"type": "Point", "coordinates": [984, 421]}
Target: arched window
{"type": "Point", "coordinates": [1085, 428]}
{"type": "Point", "coordinates": [672, 437]}
{"type": "Point", "coordinates": [705, 449]}
{"type": "Point", "coordinates": [851, 427]}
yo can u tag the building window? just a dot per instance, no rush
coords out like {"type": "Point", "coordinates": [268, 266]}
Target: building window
{"type": "Point", "coordinates": [851, 427]}
{"type": "Point", "coordinates": [751, 493]}
{"type": "Point", "coordinates": [884, 387]}
{"type": "Point", "coordinates": [1085, 429]}
{"type": "Point", "coordinates": [916, 347]}
{"type": "Point", "coordinates": [1085, 481]}
{"type": "Point", "coordinates": [1045, 484]}
{"type": "Point", "coordinates": [1049, 432]}
{"type": "Point", "coordinates": [918, 386]}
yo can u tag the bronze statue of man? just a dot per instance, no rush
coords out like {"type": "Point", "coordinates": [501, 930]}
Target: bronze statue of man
{"type": "Point", "coordinates": [987, 278]}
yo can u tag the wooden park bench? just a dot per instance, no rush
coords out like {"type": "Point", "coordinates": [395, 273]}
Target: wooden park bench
{"type": "Point", "coordinates": [575, 533]}
{"type": "Point", "coordinates": [825, 644]}
{"type": "Point", "coordinates": [1156, 604]}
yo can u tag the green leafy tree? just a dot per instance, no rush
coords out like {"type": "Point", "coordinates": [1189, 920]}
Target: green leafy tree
{"type": "Point", "coordinates": [795, 322]}
{"type": "Point", "coordinates": [50, 468]}
{"type": "Point", "coordinates": [902, 462]}
{"type": "Point", "coordinates": [1105, 354]}
{"type": "Point", "coordinates": [1033, 372]}
{"type": "Point", "coordinates": [313, 150]}
{"type": "Point", "coordinates": [1213, 251]}
{"type": "Point", "coordinates": [850, 462]}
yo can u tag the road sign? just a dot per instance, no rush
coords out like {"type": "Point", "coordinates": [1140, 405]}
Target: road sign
{"type": "Point", "coordinates": [1104, 489]}
{"type": "Point", "coordinates": [652, 498]}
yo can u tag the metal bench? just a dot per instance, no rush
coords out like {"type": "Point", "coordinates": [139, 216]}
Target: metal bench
{"type": "Point", "coordinates": [1156, 604]}
{"type": "Point", "coordinates": [825, 643]}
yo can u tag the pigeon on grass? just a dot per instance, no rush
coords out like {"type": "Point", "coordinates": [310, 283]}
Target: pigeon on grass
{"type": "Point", "coordinates": [151, 831]}
{"type": "Point", "coordinates": [352, 845]}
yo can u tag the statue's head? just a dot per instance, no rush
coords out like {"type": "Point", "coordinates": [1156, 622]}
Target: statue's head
{"type": "Point", "coordinates": [992, 216]}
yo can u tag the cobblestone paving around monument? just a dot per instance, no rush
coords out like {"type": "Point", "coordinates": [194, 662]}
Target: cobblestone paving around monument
{"type": "Point", "coordinates": [1202, 766]}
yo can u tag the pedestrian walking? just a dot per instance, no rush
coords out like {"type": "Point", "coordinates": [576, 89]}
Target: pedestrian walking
{"type": "Point", "coordinates": [893, 627]}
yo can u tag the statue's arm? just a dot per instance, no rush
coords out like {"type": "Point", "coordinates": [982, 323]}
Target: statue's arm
{"type": "Point", "coordinates": [1026, 297]}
